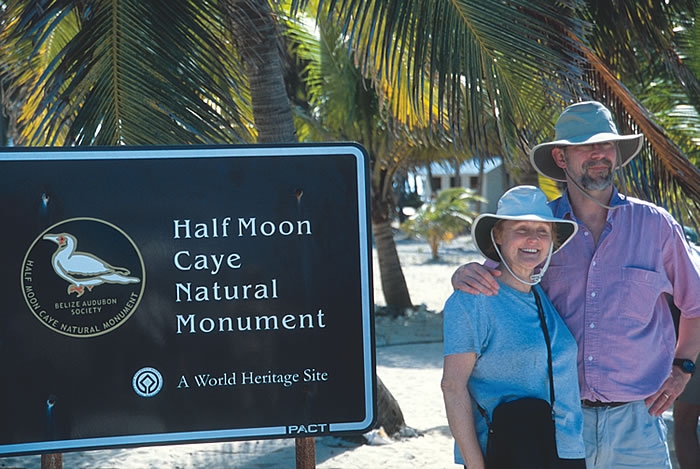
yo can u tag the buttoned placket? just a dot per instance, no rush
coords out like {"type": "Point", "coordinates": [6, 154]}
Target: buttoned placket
{"type": "Point", "coordinates": [593, 308]}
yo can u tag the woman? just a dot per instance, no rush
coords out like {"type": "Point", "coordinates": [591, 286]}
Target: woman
{"type": "Point", "coordinates": [495, 350]}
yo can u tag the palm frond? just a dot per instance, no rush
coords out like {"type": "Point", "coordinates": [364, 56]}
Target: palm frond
{"type": "Point", "coordinates": [685, 60]}
{"type": "Point", "coordinates": [645, 46]}
{"type": "Point", "coordinates": [661, 173]}
{"type": "Point", "coordinates": [128, 72]}
{"type": "Point", "coordinates": [450, 58]}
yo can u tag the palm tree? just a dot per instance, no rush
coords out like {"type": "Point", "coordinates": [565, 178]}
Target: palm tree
{"type": "Point", "coordinates": [345, 106]}
{"type": "Point", "coordinates": [549, 54]}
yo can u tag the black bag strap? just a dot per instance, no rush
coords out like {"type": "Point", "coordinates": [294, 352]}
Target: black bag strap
{"type": "Point", "coordinates": [545, 331]}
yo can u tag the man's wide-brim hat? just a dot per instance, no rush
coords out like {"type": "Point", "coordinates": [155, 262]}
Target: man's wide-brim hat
{"type": "Point", "coordinates": [581, 124]}
{"type": "Point", "coordinates": [527, 203]}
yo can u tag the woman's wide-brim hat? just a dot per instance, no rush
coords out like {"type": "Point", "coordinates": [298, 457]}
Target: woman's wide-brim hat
{"type": "Point", "coordinates": [527, 203]}
{"type": "Point", "coordinates": [581, 124]}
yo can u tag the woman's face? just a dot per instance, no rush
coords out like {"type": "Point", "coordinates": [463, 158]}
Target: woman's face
{"type": "Point", "coordinates": [523, 244]}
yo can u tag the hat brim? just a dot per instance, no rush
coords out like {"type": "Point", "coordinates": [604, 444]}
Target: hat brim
{"type": "Point", "coordinates": [483, 224]}
{"type": "Point", "coordinates": [542, 161]}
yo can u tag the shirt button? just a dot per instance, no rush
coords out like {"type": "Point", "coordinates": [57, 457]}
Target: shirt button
{"type": "Point", "coordinates": [594, 263]}
{"type": "Point", "coordinates": [592, 326]}
{"type": "Point", "coordinates": [585, 233]}
{"type": "Point", "coordinates": [593, 294]}
{"type": "Point", "coordinates": [590, 358]}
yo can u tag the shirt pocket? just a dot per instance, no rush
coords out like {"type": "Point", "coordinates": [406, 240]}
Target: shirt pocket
{"type": "Point", "coordinates": [641, 290]}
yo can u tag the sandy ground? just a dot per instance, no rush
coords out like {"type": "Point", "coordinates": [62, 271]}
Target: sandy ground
{"type": "Point", "coordinates": [409, 362]}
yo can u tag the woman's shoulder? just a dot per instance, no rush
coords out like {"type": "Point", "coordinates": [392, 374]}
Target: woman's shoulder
{"type": "Point", "coordinates": [466, 315]}
{"type": "Point", "coordinates": [459, 298]}
{"type": "Point", "coordinates": [466, 305]}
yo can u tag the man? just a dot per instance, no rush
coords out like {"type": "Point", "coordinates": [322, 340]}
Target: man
{"type": "Point", "coordinates": [611, 286]}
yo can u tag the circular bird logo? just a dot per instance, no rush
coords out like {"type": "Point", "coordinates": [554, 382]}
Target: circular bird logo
{"type": "Point", "coordinates": [83, 277]}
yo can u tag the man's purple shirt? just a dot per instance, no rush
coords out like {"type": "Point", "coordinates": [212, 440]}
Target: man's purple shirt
{"type": "Point", "coordinates": [614, 297]}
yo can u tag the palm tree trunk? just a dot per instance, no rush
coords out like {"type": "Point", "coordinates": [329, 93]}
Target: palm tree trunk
{"type": "Point", "coordinates": [254, 30]}
{"type": "Point", "coordinates": [4, 124]}
{"type": "Point", "coordinates": [389, 413]}
{"type": "Point", "coordinates": [392, 278]}
{"type": "Point", "coordinates": [4, 118]}
{"type": "Point", "coordinates": [393, 281]}
{"type": "Point", "coordinates": [480, 184]}
{"type": "Point", "coordinates": [253, 27]}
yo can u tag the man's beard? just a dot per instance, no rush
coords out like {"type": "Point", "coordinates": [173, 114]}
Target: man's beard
{"type": "Point", "coordinates": [598, 183]}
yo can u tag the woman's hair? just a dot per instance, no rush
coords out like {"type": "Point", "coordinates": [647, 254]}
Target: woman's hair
{"type": "Point", "coordinates": [498, 228]}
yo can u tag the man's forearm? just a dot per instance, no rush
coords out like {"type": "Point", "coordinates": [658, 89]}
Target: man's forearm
{"type": "Point", "coordinates": [688, 345]}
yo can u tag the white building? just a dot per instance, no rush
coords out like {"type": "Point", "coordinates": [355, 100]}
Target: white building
{"type": "Point", "coordinates": [493, 186]}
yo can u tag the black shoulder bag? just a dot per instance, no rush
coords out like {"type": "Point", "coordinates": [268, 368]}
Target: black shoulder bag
{"type": "Point", "coordinates": [521, 432]}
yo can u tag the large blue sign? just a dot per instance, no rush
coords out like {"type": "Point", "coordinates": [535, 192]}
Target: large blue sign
{"type": "Point", "coordinates": [183, 294]}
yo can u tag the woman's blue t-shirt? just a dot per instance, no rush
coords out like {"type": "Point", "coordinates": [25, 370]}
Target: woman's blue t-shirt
{"type": "Point", "coordinates": [505, 333]}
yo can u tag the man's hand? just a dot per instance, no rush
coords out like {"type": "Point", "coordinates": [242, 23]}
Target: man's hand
{"type": "Point", "coordinates": [661, 400]}
{"type": "Point", "coordinates": [475, 278]}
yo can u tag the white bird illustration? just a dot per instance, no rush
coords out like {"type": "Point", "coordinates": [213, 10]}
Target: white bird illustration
{"type": "Point", "coordinates": [81, 269]}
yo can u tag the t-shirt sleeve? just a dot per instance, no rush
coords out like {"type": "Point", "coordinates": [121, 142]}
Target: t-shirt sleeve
{"type": "Point", "coordinates": [465, 324]}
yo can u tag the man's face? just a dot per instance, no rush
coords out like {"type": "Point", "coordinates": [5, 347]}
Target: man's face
{"type": "Point", "coordinates": [589, 165]}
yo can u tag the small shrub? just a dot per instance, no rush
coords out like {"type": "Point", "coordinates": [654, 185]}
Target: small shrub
{"type": "Point", "coordinates": [443, 218]}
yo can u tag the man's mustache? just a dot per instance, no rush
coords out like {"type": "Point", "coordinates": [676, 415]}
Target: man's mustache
{"type": "Point", "coordinates": [598, 163]}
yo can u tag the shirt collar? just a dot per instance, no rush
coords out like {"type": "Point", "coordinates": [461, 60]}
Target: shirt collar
{"type": "Point", "coordinates": [562, 207]}
{"type": "Point", "coordinates": [617, 198]}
